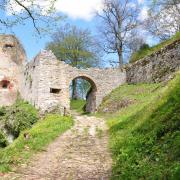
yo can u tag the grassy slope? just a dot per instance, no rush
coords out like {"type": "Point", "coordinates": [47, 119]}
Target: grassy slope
{"type": "Point", "coordinates": [42, 133]}
{"type": "Point", "coordinates": [145, 52]}
{"type": "Point", "coordinates": [145, 136]}
{"type": "Point", "coordinates": [78, 105]}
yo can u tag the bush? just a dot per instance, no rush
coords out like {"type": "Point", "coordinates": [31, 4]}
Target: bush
{"type": "Point", "coordinates": [3, 140]}
{"type": "Point", "coordinates": [144, 46]}
{"type": "Point", "coordinates": [19, 117]}
{"type": "Point", "coordinates": [2, 111]}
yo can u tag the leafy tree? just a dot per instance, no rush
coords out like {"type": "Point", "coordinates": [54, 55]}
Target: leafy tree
{"type": "Point", "coordinates": [118, 20]}
{"type": "Point", "coordinates": [75, 47]}
{"type": "Point", "coordinates": [40, 13]}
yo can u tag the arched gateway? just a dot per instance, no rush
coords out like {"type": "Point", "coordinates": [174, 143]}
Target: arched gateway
{"type": "Point", "coordinates": [91, 94]}
{"type": "Point", "coordinates": [47, 82]}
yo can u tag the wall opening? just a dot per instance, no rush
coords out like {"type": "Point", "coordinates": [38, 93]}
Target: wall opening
{"type": "Point", "coordinates": [8, 46]}
{"type": "Point", "coordinates": [55, 90]}
{"type": "Point", "coordinates": [83, 94]}
{"type": "Point", "coordinates": [4, 84]}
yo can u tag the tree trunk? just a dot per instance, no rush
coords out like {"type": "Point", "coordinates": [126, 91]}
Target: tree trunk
{"type": "Point", "coordinates": [74, 89]}
{"type": "Point", "coordinates": [120, 56]}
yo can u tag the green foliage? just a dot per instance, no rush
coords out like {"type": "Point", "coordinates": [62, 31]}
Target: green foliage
{"type": "Point", "coordinates": [78, 105]}
{"type": "Point", "coordinates": [144, 46]}
{"type": "Point", "coordinates": [148, 51]}
{"type": "Point", "coordinates": [74, 46]}
{"type": "Point", "coordinates": [2, 112]}
{"type": "Point", "coordinates": [19, 117]}
{"type": "Point", "coordinates": [40, 135]}
{"type": "Point", "coordinates": [3, 140]}
{"type": "Point", "coordinates": [145, 137]}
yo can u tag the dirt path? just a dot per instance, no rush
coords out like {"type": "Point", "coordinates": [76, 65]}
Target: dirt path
{"type": "Point", "coordinates": [79, 154]}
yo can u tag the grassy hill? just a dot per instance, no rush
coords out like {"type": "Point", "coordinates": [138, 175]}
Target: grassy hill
{"type": "Point", "coordinates": [144, 122]}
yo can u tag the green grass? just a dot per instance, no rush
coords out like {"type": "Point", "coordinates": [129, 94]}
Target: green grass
{"type": "Point", "coordinates": [148, 51]}
{"type": "Point", "coordinates": [41, 134]}
{"type": "Point", "coordinates": [78, 105]}
{"type": "Point", "coordinates": [129, 98]}
{"type": "Point", "coordinates": [145, 136]}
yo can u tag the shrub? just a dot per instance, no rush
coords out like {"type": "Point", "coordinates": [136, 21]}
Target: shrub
{"type": "Point", "coordinates": [2, 111]}
{"type": "Point", "coordinates": [3, 140]}
{"type": "Point", "coordinates": [19, 117]}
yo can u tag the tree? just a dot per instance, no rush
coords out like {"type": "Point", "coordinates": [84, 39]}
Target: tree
{"type": "Point", "coordinates": [40, 13]}
{"type": "Point", "coordinates": [164, 18]}
{"type": "Point", "coordinates": [76, 47]}
{"type": "Point", "coordinates": [119, 19]}
{"type": "Point", "coordinates": [134, 43]}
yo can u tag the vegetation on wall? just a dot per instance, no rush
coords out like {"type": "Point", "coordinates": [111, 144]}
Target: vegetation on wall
{"type": "Point", "coordinates": [145, 135]}
{"type": "Point", "coordinates": [40, 135]}
{"type": "Point", "coordinates": [143, 52]}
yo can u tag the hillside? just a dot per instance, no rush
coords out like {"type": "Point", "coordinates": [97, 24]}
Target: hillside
{"type": "Point", "coordinates": [144, 122]}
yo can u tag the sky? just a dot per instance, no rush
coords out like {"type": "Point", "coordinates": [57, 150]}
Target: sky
{"type": "Point", "coordinates": [78, 12]}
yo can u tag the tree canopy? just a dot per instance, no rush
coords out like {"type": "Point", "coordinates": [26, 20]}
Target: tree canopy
{"type": "Point", "coordinates": [75, 46]}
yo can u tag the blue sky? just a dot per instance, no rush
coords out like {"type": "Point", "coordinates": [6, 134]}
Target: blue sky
{"type": "Point", "coordinates": [78, 12]}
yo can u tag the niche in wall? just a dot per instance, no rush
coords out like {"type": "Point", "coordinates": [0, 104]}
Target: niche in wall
{"type": "Point", "coordinates": [4, 84]}
{"type": "Point", "coordinates": [55, 90]}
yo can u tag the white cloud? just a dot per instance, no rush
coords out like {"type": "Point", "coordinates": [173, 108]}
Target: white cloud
{"type": "Point", "coordinates": [144, 13]}
{"type": "Point", "coordinates": [76, 9]}
{"type": "Point", "coordinates": [82, 9]}
{"type": "Point", "coordinates": [140, 1]}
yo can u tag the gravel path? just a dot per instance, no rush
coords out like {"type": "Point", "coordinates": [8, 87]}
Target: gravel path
{"type": "Point", "coordinates": [81, 153]}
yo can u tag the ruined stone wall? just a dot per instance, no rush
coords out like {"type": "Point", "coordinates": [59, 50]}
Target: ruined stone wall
{"type": "Point", "coordinates": [45, 81]}
{"type": "Point", "coordinates": [51, 79]}
{"type": "Point", "coordinates": [157, 67]}
{"type": "Point", "coordinates": [12, 57]}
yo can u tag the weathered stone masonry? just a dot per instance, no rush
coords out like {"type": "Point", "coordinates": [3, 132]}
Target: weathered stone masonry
{"type": "Point", "coordinates": [156, 67]}
{"type": "Point", "coordinates": [45, 81]}
{"type": "Point", "coordinates": [12, 59]}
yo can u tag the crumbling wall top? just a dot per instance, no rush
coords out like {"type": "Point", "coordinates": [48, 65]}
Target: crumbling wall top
{"type": "Point", "coordinates": [12, 48]}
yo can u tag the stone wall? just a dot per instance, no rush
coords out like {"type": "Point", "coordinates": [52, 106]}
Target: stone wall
{"type": "Point", "coordinates": [157, 67]}
{"type": "Point", "coordinates": [45, 81]}
{"type": "Point", "coordinates": [12, 57]}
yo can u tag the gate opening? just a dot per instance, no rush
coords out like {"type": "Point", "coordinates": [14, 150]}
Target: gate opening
{"type": "Point", "coordinates": [83, 95]}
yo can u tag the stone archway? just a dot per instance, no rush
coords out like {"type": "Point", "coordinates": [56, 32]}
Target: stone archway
{"type": "Point", "coordinates": [91, 94]}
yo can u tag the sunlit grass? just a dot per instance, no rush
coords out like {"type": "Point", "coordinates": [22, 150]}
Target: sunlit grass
{"type": "Point", "coordinates": [41, 134]}
{"type": "Point", "coordinates": [78, 105]}
{"type": "Point", "coordinates": [145, 136]}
